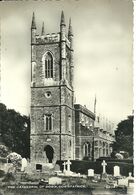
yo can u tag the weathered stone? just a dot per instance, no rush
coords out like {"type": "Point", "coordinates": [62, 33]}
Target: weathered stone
{"type": "Point", "coordinates": [59, 103]}
{"type": "Point", "coordinates": [90, 172]}
{"type": "Point", "coordinates": [55, 181]}
{"type": "Point", "coordinates": [116, 171]}
{"type": "Point", "coordinates": [23, 164]}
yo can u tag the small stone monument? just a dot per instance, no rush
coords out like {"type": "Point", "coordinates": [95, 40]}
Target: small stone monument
{"type": "Point", "coordinates": [56, 167]}
{"type": "Point", "coordinates": [68, 172]}
{"type": "Point", "coordinates": [90, 172]}
{"type": "Point", "coordinates": [23, 164]}
{"type": "Point", "coordinates": [64, 168]}
{"type": "Point", "coordinates": [130, 180]}
{"type": "Point", "coordinates": [55, 181]}
{"type": "Point", "coordinates": [104, 174]}
{"type": "Point", "coordinates": [104, 164]}
{"type": "Point", "coordinates": [68, 163]}
{"type": "Point", "coordinates": [79, 175]}
{"type": "Point", "coordinates": [116, 171]}
{"type": "Point", "coordinates": [130, 175]}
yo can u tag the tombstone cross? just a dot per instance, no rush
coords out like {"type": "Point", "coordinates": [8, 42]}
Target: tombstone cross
{"type": "Point", "coordinates": [64, 164]}
{"type": "Point", "coordinates": [130, 175]}
{"type": "Point", "coordinates": [104, 164]}
{"type": "Point", "coordinates": [68, 163]}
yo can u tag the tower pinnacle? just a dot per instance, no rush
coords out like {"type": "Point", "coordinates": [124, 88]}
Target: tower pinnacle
{"type": "Point", "coordinates": [43, 32]}
{"type": "Point", "coordinates": [70, 30]}
{"type": "Point", "coordinates": [62, 22]}
{"type": "Point", "coordinates": [33, 26]}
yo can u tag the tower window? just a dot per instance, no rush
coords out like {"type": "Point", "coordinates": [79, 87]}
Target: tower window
{"type": "Point", "coordinates": [48, 122]}
{"type": "Point", "coordinates": [48, 94]}
{"type": "Point", "coordinates": [86, 149]}
{"type": "Point", "coordinates": [48, 66]}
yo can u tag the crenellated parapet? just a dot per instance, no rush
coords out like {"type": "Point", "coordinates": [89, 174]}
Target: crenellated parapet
{"type": "Point", "coordinates": [48, 38]}
{"type": "Point", "coordinates": [61, 36]}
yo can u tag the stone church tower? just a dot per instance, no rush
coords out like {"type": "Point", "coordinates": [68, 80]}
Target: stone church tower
{"type": "Point", "coordinates": [52, 109]}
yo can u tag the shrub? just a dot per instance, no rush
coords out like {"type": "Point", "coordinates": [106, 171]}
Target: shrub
{"type": "Point", "coordinates": [9, 177]}
{"type": "Point", "coordinates": [15, 159]}
{"type": "Point", "coordinates": [4, 151]}
{"type": "Point", "coordinates": [83, 166]}
{"type": "Point", "coordinates": [107, 159]}
{"type": "Point", "coordinates": [86, 158]}
{"type": "Point", "coordinates": [2, 173]}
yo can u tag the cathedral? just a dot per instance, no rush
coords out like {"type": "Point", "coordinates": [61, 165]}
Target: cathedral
{"type": "Point", "coordinates": [60, 129]}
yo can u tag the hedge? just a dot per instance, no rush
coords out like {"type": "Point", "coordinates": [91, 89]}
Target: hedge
{"type": "Point", "coordinates": [114, 160]}
{"type": "Point", "coordinates": [83, 166]}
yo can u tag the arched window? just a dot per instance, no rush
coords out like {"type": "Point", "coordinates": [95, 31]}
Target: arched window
{"type": "Point", "coordinates": [48, 65]}
{"type": "Point", "coordinates": [89, 149]}
{"type": "Point", "coordinates": [48, 122]}
{"type": "Point", "coordinates": [86, 149]}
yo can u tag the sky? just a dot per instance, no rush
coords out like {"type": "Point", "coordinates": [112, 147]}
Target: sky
{"type": "Point", "coordinates": [103, 52]}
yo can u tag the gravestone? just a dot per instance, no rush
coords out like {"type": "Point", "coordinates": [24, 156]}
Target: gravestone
{"type": "Point", "coordinates": [130, 180]}
{"type": "Point", "coordinates": [64, 168]}
{"type": "Point", "coordinates": [55, 181]}
{"type": "Point", "coordinates": [123, 181]}
{"type": "Point", "coordinates": [104, 174]}
{"type": "Point", "coordinates": [68, 172]}
{"type": "Point", "coordinates": [56, 167]}
{"type": "Point", "coordinates": [130, 175]}
{"type": "Point", "coordinates": [23, 164]}
{"type": "Point", "coordinates": [68, 163]}
{"type": "Point", "coordinates": [116, 171]}
{"type": "Point", "coordinates": [104, 164]}
{"type": "Point", "coordinates": [79, 175]}
{"type": "Point", "coordinates": [90, 172]}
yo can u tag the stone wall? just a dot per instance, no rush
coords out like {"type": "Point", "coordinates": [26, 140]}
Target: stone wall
{"type": "Point", "coordinates": [52, 96]}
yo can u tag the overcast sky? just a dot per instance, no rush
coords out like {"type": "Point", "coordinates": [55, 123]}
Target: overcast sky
{"type": "Point", "coordinates": [103, 44]}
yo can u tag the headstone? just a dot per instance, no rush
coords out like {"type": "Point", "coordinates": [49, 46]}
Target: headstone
{"type": "Point", "coordinates": [64, 168]}
{"type": "Point", "coordinates": [90, 173]}
{"type": "Point", "coordinates": [68, 163]}
{"type": "Point", "coordinates": [30, 168]}
{"type": "Point", "coordinates": [23, 164]}
{"type": "Point", "coordinates": [104, 164]}
{"type": "Point", "coordinates": [130, 175]}
{"type": "Point", "coordinates": [131, 183]}
{"type": "Point", "coordinates": [130, 180]}
{"type": "Point", "coordinates": [79, 175]}
{"type": "Point", "coordinates": [123, 182]}
{"type": "Point", "coordinates": [56, 167]}
{"type": "Point", "coordinates": [116, 171]}
{"type": "Point", "coordinates": [68, 172]}
{"type": "Point", "coordinates": [55, 181]}
{"type": "Point", "coordinates": [47, 168]}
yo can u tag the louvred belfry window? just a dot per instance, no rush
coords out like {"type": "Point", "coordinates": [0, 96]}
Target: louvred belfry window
{"type": "Point", "coordinates": [48, 122]}
{"type": "Point", "coordinates": [48, 65]}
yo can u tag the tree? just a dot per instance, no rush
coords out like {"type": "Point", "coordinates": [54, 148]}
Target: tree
{"type": "Point", "coordinates": [15, 131]}
{"type": "Point", "coordinates": [3, 151]}
{"type": "Point", "coordinates": [15, 159]}
{"type": "Point", "coordinates": [124, 136]}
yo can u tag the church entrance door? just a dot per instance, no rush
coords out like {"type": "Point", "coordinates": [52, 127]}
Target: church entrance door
{"type": "Point", "coordinates": [49, 153]}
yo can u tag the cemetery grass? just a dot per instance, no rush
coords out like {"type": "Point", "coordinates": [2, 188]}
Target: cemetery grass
{"type": "Point", "coordinates": [46, 191]}
{"type": "Point", "coordinates": [34, 180]}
